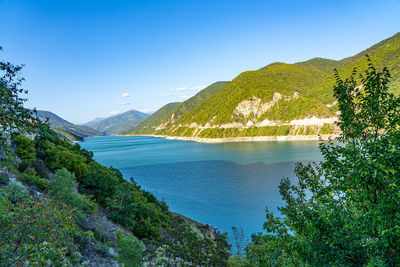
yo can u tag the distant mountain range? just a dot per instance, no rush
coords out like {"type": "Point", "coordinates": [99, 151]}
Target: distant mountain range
{"type": "Point", "coordinates": [279, 99]}
{"type": "Point", "coordinates": [118, 123]}
{"type": "Point", "coordinates": [65, 128]}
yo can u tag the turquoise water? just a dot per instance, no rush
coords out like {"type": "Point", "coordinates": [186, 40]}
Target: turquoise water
{"type": "Point", "coordinates": [223, 185]}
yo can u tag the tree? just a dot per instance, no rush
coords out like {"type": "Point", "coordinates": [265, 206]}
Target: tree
{"type": "Point", "coordinates": [345, 210]}
{"type": "Point", "coordinates": [13, 115]}
{"type": "Point", "coordinates": [130, 250]}
{"type": "Point", "coordinates": [239, 239]}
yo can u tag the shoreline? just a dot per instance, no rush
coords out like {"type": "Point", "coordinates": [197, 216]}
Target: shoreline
{"type": "Point", "coordinates": [245, 139]}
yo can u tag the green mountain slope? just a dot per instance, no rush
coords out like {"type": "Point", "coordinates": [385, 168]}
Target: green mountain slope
{"type": "Point", "coordinates": [168, 114]}
{"type": "Point", "coordinates": [66, 129]}
{"type": "Point", "coordinates": [279, 99]}
{"type": "Point", "coordinates": [383, 54]}
{"type": "Point", "coordinates": [118, 123]}
{"type": "Point", "coordinates": [148, 125]}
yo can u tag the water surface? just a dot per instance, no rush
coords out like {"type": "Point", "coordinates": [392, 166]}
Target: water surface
{"type": "Point", "coordinates": [223, 185]}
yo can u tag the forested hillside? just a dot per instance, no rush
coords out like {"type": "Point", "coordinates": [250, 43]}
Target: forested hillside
{"type": "Point", "coordinates": [69, 130]}
{"type": "Point", "coordinates": [168, 114]}
{"type": "Point", "coordinates": [279, 99]}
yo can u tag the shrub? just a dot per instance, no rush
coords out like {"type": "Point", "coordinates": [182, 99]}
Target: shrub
{"type": "Point", "coordinates": [29, 176]}
{"type": "Point", "coordinates": [130, 250]}
{"type": "Point", "coordinates": [15, 191]}
{"type": "Point", "coordinates": [25, 147]}
{"type": "Point", "coordinates": [63, 186]}
{"type": "Point", "coordinates": [36, 230]}
{"type": "Point", "coordinates": [99, 182]}
{"type": "Point", "coordinates": [3, 179]}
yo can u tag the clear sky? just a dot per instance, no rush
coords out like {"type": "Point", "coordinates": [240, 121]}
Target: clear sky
{"type": "Point", "coordinates": [92, 58]}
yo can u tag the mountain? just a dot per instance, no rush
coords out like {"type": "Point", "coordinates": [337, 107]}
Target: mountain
{"type": "Point", "coordinates": [171, 112]}
{"type": "Point", "coordinates": [148, 125]}
{"type": "Point", "coordinates": [118, 123]}
{"type": "Point", "coordinates": [93, 122]}
{"type": "Point", "coordinates": [279, 99]}
{"type": "Point", "coordinates": [69, 130]}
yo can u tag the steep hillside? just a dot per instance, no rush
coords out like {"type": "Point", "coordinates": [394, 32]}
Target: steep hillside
{"type": "Point", "coordinates": [279, 99]}
{"type": "Point", "coordinates": [69, 130]}
{"type": "Point", "coordinates": [147, 126]}
{"type": "Point", "coordinates": [118, 123]}
{"type": "Point", "coordinates": [173, 111]}
{"type": "Point", "coordinates": [383, 54]}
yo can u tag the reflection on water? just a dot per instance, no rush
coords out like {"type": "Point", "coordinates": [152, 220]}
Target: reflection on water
{"type": "Point", "coordinates": [219, 184]}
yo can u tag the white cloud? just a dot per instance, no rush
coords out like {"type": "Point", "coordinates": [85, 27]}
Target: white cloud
{"type": "Point", "coordinates": [112, 113]}
{"type": "Point", "coordinates": [126, 95]}
{"type": "Point", "coordinates": [185, 96]}
{"type": "Point", "coordinates": [181, 88]}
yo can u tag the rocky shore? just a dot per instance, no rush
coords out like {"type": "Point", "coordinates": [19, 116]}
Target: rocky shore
{"type": "Point", "coordinates": [247, 139]}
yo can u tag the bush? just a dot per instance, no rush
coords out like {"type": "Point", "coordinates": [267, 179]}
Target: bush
{"type": "Point", "coordinates": [25, 147]}
{"type": "Point", "coordinates": [29, 176]}
{"type": "Point", "coordinates": [63, 187]}
{"type": "Point", "coordinates": [58, 157]}
{"type": "Point", "coordinates": [15, 192]}
{"type": "Point", "coordinates": [35, 231]}
{"type": "Point", "coordinates": [130, 250]}
{"type": "Point", "coordinates": [3, 179]}
{"type": "Point", "coordinates": [99, 182]}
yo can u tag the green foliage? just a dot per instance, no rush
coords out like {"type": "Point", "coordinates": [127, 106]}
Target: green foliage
{"type": "Point", "coordinates": [146, 227]}
{"type": "Point", "coordinates": [344, 210]}
{"type": "Point", "coordinates": [238, 261]}
{"type": "Point", "coordinates": [29, 176]}
{"type": "Point", "coordinates": [63, 156]}
{"type": "Point", "coordinates": [62, 187]}
{"type": "Point", "coordinates": [199, 247]}
{"type": "Point", "coordinates": [297, 108]}
{"type": "Point", "coordinates": [3, 180]}
{"type": "Point", "coordinates": [34, 231]}
{"type": "Point", "coordinates": [278, 77]}
{"type": "Point", "coordinates": [147, 126]}
{"type": "Point", "coordinates": [98, 182]}
{"type": "Point", "coordinates": [69, 136]}
{"type": "Point", "coordinates": [130, 250]}
{"type": "Point", "coordinates": [15, 192]}
{"type": "Point", "coordinates": [62, 126]}
{"type": "Point", "coordinates": [25, 147]}
{"type": "Point", "coordinates": [13, 115]}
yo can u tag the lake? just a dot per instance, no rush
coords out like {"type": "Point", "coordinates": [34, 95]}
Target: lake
{"type": "Point", "coordinates": [224, 185]}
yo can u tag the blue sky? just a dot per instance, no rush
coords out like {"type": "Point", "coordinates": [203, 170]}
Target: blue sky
{"type": "Point", "coordinates": [92, 58]}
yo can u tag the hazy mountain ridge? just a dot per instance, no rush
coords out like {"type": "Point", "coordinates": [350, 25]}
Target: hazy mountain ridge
{"type": "Point", "coordinates": [67, 129]}
{"type": "Point", "coordinates": [118, 123]}
{"type": "Point", "coordinates": [278, 99]}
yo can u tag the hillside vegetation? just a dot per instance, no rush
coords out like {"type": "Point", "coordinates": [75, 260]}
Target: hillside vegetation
{"type": "Point", "coordinates": [278, 95]}
{"type": "Point", "coordinates": [343, 210]}
{"type": "Point", "coordinates": [169, 113]}
{"type": "Point", "coordinates": [60, 207]}
{"type": "Point", "coordinates": [65, 128]}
